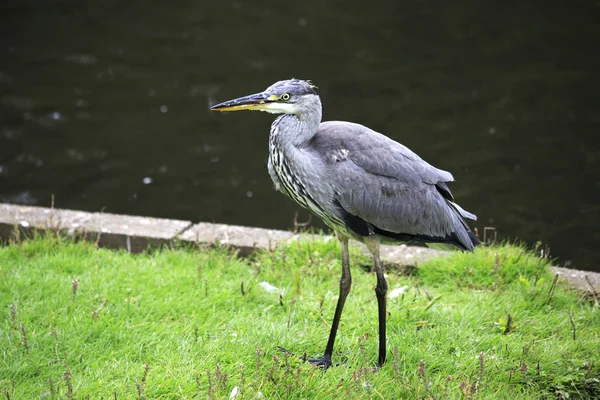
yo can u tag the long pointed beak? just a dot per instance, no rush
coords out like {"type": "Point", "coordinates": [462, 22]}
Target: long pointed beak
{"type": "Point", "coordinates": [257, 101]}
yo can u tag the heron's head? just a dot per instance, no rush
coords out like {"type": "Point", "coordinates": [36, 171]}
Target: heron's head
{"type": "Point", "coordinates": [292, 96]}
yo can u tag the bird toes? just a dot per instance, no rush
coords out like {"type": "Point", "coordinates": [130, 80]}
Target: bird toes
{"type": "Point", "coordinates": [323, 362]}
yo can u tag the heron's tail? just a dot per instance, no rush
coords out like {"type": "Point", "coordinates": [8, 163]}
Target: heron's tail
{"type": "Point", "coordinates": [457, 244]}
{"type": "Point", "coordinates": [466, 239]}
{"type": "Point", "coordinates": [463, 213]}
{"type": "Point", "coordinates": [473, 238]}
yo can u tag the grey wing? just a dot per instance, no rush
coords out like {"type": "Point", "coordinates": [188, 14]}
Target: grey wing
{"type": "Point", "coordinates": [389, 186]}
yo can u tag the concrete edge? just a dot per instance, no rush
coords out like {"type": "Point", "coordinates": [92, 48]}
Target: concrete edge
{"type": "Point", "coordinates": [136, 234]}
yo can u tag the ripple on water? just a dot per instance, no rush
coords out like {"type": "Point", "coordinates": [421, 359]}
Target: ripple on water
{"type": "Point", "coordinates": [82, 59]}
{"type": "Point", "coordinates": [18, 102]}
{"type": "Point", "coordinates": [27, 158]}
{"type": "Point", "coordinates": [24, 197]}
{"type": "Point", "coordinates": [8, 133]}
{"type": "Point", "coordinates": [75, 154]}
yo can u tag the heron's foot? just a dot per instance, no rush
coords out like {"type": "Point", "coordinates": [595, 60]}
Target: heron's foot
{"type": "Point", "coordinates": [323, 362]}
{"type": "Point", "coordinates": [376, 368]}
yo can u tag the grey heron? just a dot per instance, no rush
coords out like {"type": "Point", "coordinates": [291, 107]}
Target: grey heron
{"type": "Point", "coordinates": [362, 184]}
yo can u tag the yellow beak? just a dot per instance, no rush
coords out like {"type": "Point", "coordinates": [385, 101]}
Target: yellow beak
{"type": "Point", "coordinates": [257, 101]}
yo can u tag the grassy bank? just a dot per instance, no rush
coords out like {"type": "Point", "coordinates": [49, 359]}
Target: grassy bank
{"type": "Point", "coordinates": [79, 322]}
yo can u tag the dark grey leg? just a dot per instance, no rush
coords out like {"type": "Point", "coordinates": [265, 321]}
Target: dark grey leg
{"type": "Point", "coordinates": [381, 292]}
{"type": "Point", "coordinates": [345, 284]}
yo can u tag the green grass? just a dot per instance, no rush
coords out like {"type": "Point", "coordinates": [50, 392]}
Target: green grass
{"type": "Point", "coordinates": [176, 324]}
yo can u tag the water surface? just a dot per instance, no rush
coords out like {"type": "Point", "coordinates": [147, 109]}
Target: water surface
{"type": "Point", "coordinates": [105, 104]}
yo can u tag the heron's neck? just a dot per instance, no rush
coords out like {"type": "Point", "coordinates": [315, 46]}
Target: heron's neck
{"type": "Point", "coordinates": [294, 130]}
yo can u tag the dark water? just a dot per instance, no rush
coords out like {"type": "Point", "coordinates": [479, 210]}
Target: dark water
{"type": "Point", "coordinates": [105, 104]}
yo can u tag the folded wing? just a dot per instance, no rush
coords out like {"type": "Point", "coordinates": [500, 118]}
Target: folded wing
{"type": "Point", "coordinates": [390, 187]}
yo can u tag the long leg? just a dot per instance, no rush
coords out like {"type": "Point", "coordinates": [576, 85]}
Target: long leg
{"type": "Point", "coordinates": [345, 284]}
{"type": "Point", "coordinates": [381, 292]}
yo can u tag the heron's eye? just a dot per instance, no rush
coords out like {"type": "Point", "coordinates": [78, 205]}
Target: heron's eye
{"type": "Point", "coordinates": [285, 97]}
